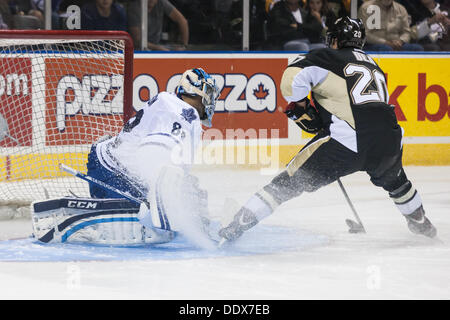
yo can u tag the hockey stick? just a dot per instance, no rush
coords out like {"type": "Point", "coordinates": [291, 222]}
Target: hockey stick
{"type": "Point", "coordinates": [101, 184]}
{"type": "Point", "coordinates": [355, 227]}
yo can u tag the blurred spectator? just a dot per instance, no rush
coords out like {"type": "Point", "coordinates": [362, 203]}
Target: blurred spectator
{"type": "Point", "coordinates": [56, 18]}
{"type": "Point", "coordinates": [269, 4]}
{"type": "Point", "coordinates": [60, 7]}
{"type": "Point", "coordinates": [64, 4]}
{"type": "Point", "coordinates": [318, 17]}
{"type": "Point", "coordinates": [38, 5]}
{"type": "Point", "coordinates": [37, 10]}
{"type": "Point", "coordinates": [286, 27]}
{"type": "Point", "coordinates": [56, 4]}
{"type": "Point", "coordinates": [204, 19]}
{"type": "Point", "coordinates": [430, 23]}
{"type": "Point", "coordinates": [103, 15]}
{"type": "Point", "coordinates": [340, 8]}
{"type": "Point", "coordinates": [6, 21]}
{"type": "Point", "coordinates": [157, 10]}
{"type": "Point", "coordinates": [390, 30]}
{"type": "Point", "coordinates": [28, 7]}
{"type": "Point", "coordinates": [258, 25]}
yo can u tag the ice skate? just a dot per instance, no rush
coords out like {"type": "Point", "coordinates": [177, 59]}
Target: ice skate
{"type": "Point", "coordinates": [211, 228]}
{"type": "Point", "coordinates": [243, 220]}
{"type": "Point", "coordinates": [419, 224]}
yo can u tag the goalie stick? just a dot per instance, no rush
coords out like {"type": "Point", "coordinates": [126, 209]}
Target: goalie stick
{"type": "Point", "coordinates": [162, 216]}
{"type": "Point", "coordinates": [101, 184]}
{"type": "Point", "coordinates": [355, 227]}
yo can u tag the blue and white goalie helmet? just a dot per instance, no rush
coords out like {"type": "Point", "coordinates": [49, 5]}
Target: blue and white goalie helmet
{"type": "Point", "coordinates": [196, 82]}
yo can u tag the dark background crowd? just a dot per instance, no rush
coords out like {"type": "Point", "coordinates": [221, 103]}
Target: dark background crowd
{"type": "Point", "coordinates": [212, 25]}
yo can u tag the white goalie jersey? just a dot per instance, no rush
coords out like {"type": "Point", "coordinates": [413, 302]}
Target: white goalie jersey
{"type": "Point", "coordinates": [165, 131]}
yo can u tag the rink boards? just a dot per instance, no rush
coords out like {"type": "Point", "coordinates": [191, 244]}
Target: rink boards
{"type": "Point", "coordinates": [250, 128]}
{"type": "Point", "coordinates": [418, 85]}
{"type": "Point", "coordinates": [267, 158]}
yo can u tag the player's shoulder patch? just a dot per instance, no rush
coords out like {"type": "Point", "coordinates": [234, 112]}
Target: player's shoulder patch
{"type": "Point", "coordinates": [326, 58]}
{"type": "Point", "coordinates": [295, 60]}
{"type": "Point", "coordinates": [321, 57]}
{"type": "Point", "coordinates": [189, 114]}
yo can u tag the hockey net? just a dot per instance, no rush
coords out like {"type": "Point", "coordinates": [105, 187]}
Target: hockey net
{"type": "Point", "coordinates": [60, 91]}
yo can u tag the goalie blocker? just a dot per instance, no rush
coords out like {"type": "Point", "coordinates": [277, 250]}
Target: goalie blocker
{"type": "Point", "coordinates": [97, 221]}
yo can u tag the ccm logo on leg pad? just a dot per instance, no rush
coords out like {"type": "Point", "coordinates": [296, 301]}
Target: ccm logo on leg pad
{"type": "Point", "coordinates": [81, 204]}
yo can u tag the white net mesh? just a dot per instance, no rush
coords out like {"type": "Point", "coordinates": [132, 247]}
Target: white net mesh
{"type": "Point", "coordinates": [57, 97]}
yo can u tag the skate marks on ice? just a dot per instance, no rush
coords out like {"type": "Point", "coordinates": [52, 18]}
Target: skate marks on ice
{"type": "Point", "coordinates": [263, 239]}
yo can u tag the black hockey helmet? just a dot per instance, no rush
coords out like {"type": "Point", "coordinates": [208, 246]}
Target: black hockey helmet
{"type": "Point", "coordinates": [348, 32]}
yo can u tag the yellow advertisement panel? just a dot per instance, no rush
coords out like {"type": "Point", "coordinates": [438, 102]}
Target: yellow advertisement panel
{"type": "Point", "coordinates": [419, 88]}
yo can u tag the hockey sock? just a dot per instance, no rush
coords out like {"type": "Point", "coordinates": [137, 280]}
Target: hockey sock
{"type": "Point", "coordinates": [261, 204]}
{"type": "Point", "coordinates": [406, 198]}
{"type": "Point", "coordinates": [258, 207]}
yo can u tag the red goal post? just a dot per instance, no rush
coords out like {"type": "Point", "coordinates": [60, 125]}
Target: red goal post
{"type": "Point", "coordinates": [60, 91]}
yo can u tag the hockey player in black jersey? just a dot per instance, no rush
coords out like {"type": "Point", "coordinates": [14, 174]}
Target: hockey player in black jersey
{"type": "Point", "coordinates": [356, 130]}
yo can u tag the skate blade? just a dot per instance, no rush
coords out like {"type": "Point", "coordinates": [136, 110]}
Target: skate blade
{"type": "Point", "coordinates": [222, 243]}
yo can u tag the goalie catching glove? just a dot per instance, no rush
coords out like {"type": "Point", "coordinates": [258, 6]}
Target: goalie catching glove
{"type": "Point", "coordinates": [306, 117]}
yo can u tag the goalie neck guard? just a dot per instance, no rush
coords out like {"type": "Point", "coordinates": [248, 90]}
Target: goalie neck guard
{"type": "Point", "coordinates": [196, 82]}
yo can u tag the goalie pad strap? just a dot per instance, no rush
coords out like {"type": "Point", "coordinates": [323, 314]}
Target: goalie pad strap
{"type": "Point", "coordinates": [82, 203]}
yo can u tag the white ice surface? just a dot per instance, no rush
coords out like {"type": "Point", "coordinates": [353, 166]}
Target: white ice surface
{"type": "Point", "coordinates": [303, 251]}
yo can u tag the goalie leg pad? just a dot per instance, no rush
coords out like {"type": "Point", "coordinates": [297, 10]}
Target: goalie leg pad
{"type": "Point", "coordinates": [185, 204]}
{"type": "Point", "coordinates": [97, 221]}
{"type": "Point", "coordinates": [176, 192]}
{"type": "Point", "coordinates": [166, 198]}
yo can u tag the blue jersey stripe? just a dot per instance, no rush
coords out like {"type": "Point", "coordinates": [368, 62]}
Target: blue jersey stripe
{"type": "Point", "coordinates": [164, 134]}
{"type": "Point", "coordinates": [95, 221]}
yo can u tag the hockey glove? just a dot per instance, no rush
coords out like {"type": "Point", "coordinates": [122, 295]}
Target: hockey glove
{"type": "Point", "coordinates": [307, 118]}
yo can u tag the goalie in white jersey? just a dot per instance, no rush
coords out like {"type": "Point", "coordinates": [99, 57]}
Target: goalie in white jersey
{"type": "Point", "coordinates": [168, 127]}
{"type": "Point", "coordinates": [149, 160]}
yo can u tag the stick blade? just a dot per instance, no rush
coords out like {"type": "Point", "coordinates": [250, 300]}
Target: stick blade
{"type": "Point", "coordinates": [354, 226]}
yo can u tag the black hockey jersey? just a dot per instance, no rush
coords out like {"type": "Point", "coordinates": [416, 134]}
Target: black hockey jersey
{"type": "Point", "coordinates": [349, 89]}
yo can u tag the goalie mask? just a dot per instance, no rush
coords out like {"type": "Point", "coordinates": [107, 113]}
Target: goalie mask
{"type": "Point", "coordinates": [196, 82]}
